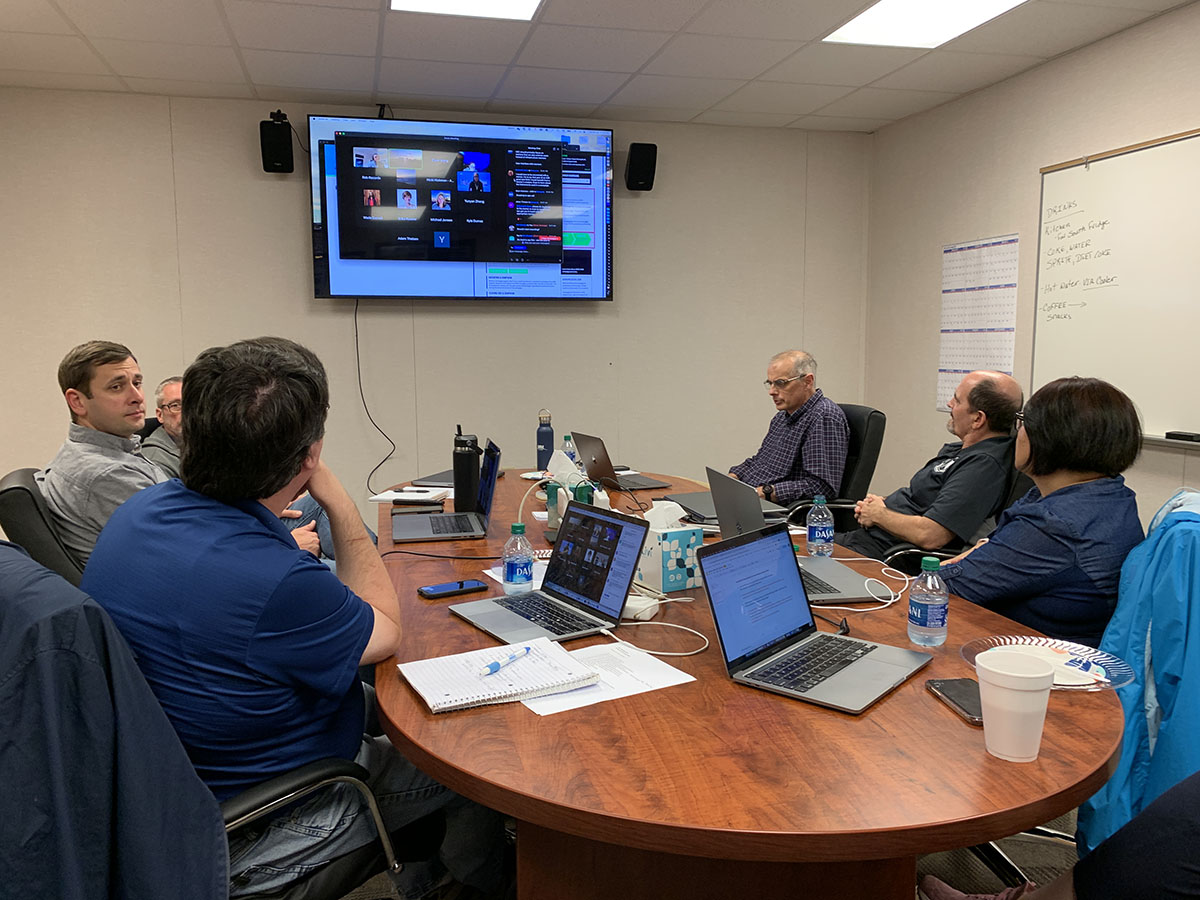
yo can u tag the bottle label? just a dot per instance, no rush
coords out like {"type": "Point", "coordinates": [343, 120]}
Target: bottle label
{"type": "Point", "coordinates": [518, 571]}
{"type": "Point", "coordinates": [928, 615]}
{"type": "Point", "coordinates": [820, 533]}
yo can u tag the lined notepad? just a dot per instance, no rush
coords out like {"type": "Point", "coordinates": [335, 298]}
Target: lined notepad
{"type": "Point", "coordinates": [455, 682]}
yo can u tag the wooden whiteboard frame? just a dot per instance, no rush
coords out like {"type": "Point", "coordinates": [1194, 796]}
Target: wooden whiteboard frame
{"type": "Point", "coordinates": [1132, 148]}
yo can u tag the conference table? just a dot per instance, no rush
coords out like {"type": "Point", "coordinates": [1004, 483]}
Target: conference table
{"type": "Point", "coordinates": [714, 789]}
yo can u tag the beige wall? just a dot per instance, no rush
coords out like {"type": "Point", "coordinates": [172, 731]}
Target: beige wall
{"type": "Point", "coordinates": [149, 220]}
{"type": "Point", "coordinates": [970, 170]}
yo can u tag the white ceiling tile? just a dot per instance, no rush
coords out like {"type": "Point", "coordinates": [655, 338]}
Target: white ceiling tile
{"type": "Point", "coordinates": [656, 15]}
{"type": "Point", "coordinates": [602, 49]}
{"type": "Point", "coordinates": [644, 114]}
{"type": "Point", "coordinates": [182, 62]}
{"type": "Point", "coordinates": [744, 119]}
{"type": "Point", "coordinates": [290, 93]}
{"type": "Point", "coordinates": [948, 70]}
{"type": "Point", "coordinates": [1151, 5]}
{"type": "Point", "coordinates": [878, 103]}
{"type": "Point", "coordinates": [777, 97]}
{"type": "Point", "coordinates": [1045, 29]}
{"type": "Point", "coordinates": [433, 102]}
{"type": "Point", "coordinates": [841, 64]}
{"type": "Point", "coordinates": [839, 123]}
{"type": "Point", "coordinates": [49, 53]}
{"type": "Point", "coordinates": [784, 19]}
{"type": "Point", "coordinates": [63, 81]}
{"type": "Point", "coordinates": [452, 38]}
{"type": "Point", "coordinates": [529, 108]}
{"type": "Point", "coordinates": [560, 85]}
{"type": "Point", "coordinates": [413, 77]}
{"type": "Point", "coordinates": [312, 70]}
{"type": "Point", "coordinates": [704, 55]}
{"type": "Point", "coordinates": [174, 21]}
{"type": "Point", "coordinates": [679, 93]}
{"type": "Point", "coordinates": [174, 88]}
{"type": "Point", "coordinates": [36, 16]}
{"type": "Point", "coordinates": [304, 29]}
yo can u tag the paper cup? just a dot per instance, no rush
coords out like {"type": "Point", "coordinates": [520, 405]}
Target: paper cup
{"type": "Point", "coordinates": [1014, 689]}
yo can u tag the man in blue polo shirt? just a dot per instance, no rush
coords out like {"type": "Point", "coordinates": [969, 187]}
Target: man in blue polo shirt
{"type": "Point", "coordinates": [251, 645]}
{"type": "Point", "coordinates": [804, 452]}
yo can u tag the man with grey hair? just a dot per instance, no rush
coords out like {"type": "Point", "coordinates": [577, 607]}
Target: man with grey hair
{"type": "Point", "coordinates": [804, 452]}
{"type": "Point", "coordinates": [162, 446]}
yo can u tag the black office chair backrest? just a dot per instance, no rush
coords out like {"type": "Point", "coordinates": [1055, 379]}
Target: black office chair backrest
{"type": "Point", "coordinates": [26, 520]}
{"type": "Point", "coordinates": [149, 428]}
{"type": "Point", "coordinates": [866, 437]}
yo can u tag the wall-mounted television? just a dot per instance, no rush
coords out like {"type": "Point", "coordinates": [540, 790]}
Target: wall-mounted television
{"type": "Point", "coordinates": [419, 209]}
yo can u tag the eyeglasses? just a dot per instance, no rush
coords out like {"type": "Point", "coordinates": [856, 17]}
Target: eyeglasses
{"type": "Point", "coordinates": [780, 383]}
{"type": "Point", "coordinates": [174, 406]}
{"type": "Point", "coordinates": [1020, 417]}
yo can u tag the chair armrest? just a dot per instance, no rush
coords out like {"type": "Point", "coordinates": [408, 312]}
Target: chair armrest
{"type": "Point", "coordinates": [898, 553]}
{"type": "Point", "coordinates": [805, 505]}
{"type": "Point", "coordinates": [258, 801]}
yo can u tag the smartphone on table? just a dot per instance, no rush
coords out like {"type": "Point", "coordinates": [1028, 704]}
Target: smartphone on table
{"type": "Point", "coordinates": [960, 694]}
{"type": "Point", "coordinates": [451, 589]}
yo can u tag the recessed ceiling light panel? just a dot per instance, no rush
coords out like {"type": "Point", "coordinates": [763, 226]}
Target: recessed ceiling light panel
{"type": "Point", "coordinates": [483, 9]}
{"type": "Point", "coordinates": [918, 23]}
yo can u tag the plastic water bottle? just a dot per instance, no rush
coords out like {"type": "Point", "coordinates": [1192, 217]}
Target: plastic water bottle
{"type": "Point", "coordinates": [568, 449]}
{"type": "Point", "coordinates": [928, 604]}
{"type": "Point", "coordinates": [545, 439]}
{"type": "Point", "coordinates": [518, 562]}
{"type": "Point", "coordinates": [820, 528]}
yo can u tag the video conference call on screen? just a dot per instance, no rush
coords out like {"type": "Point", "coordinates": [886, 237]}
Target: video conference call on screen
{"type": "Point", "coordinates": [458, 210]}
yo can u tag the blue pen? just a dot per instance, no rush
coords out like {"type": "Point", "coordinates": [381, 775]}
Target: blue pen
{"type": "Point", "coordinates": [493, 667]}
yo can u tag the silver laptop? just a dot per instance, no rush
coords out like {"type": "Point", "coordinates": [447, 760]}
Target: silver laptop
{"type": "Point", "coordinates": [769, 639]}
{"type": "Point", "coordinates": [594, 456]}
{"type": "Point", "coordinates": [701, 508]}
{"type": "Point", "coordinates": [454, 526]}
{"type": "Point", "coordinates": [587, 581]}
{"type": "Point", "coordinates": [827, 581]}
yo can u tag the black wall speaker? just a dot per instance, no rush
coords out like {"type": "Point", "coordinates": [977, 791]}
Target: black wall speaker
{"type": "Point", "coordinates": [275, 136]}
{"type": "Point", "coordinates": [639, 166]}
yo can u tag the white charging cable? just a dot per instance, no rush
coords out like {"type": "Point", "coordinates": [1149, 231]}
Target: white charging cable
{"type": "Point", "coordinates": [661, 652]}
{"type": "Point", "coordinates": [886, 600]}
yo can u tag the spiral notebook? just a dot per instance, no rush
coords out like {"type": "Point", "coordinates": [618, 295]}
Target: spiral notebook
{"type": "Point", "coordinates": [456, 682]}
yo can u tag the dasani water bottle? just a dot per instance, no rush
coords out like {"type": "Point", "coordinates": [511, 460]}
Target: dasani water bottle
{"type": "Point", "coordinates": [518, 562]}
{"type": "Point", "coordinates": [820, 528]}
{"type": "Point", "coordinates": [928, 604]}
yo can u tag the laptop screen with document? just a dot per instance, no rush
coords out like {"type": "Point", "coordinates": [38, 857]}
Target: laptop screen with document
{"type": "Point", "coordinates": [757, 597]}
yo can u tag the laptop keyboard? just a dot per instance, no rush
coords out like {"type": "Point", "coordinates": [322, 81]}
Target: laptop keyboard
{"type": "Point", "coordinates": [452, 524]}
{"type": "Point", "coordinates": [813, 662]}
{"type": "Point", "coordinates": [541, 611]}
{"type": "Point", "coordinates": [815, 585]}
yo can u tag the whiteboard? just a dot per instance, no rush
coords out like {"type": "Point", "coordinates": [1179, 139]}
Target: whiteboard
{"type": "Point", "coordinates": [1118, 285]}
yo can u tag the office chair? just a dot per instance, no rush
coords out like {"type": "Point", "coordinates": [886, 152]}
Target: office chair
{"type": "Point", "coordinates": [862, 454]}
{"type": "Point", "coordinates": [906, 557]}
{"type": "Point", "coordinates": [26, 520]}
{"type": "Point", "coordinates": [93, 746]}
{"type": "Point", "coordinates": [149, 428]}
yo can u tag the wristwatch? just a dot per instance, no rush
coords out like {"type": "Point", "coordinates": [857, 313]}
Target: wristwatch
{"type": "Point", "coordinates": [768, 492]}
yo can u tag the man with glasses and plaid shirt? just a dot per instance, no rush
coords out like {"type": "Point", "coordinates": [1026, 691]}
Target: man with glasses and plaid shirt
{"type": "Point", "coordinates": [162, 446]}
{"type": "Point", "coordinates": [804, 451]}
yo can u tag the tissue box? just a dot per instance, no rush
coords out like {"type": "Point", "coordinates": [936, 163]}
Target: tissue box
{"type": "Point", "coordinates": [668, 560]}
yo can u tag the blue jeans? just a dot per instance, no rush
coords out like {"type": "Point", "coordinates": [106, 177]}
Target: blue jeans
{"type": "Point", "coordinates": [336, 821]}
{"type": "Point", "coordinates": [313, 512]}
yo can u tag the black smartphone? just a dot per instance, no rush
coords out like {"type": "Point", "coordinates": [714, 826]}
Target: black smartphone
{"type": "Point", "coordinates": [960, 694]}
{"type": "Point", "coordinates": [450, 589]}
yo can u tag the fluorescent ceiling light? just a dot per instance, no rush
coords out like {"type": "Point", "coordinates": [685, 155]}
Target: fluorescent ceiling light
{"type": "Point", "coordinates": [483, 9]}
{"type": "Point", "coordinates": [918, 23]}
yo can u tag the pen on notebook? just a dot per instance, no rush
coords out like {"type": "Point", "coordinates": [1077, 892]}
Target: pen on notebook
{"type": "Point", "coordinates": [493, 667]}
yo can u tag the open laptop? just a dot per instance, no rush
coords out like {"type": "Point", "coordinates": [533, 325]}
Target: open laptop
{"type": "Point", "coordinates": [594, 457]}
{"type": "Point", "coordinates": [454, 526]}
{"type": "Point", "coordinates": [769, 639]}
{"type": "Point", "coordinates": [700, 507]}
{"type": "Point", "coordinates": [585, 587]}
{"type": "Point", "coordinates": [827, 581]}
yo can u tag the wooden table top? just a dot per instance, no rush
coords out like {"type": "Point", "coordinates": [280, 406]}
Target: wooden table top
{"type": "Point", "coordinates": [713, 768]}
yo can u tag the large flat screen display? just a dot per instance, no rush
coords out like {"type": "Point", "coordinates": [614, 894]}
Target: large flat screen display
{"type": "Point", "coordinates": [459, 210]}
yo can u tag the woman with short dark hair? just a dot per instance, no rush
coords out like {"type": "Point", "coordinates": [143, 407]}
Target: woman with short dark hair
{"type": "Point", "coordinates": [1054, 560]}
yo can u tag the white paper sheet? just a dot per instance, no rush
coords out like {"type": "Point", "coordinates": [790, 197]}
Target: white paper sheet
{"type": "Point", "coordinates": [624, 672]}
